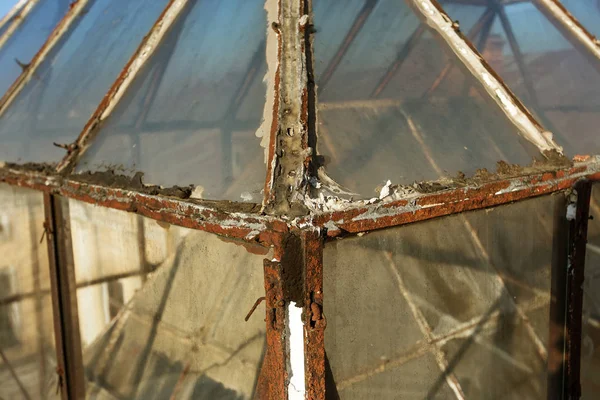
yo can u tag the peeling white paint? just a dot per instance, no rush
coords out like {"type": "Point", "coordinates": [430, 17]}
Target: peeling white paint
{"type": "Point", "coordinates": [505, 100]}
{"type": "Point", "coordinates": [272, 59]}
{"type": "Point", "coordinates": [295, 328]}
{"type": "Point", "coordinates": [386, 190]}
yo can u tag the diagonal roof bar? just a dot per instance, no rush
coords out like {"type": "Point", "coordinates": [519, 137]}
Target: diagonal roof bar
{"type": "Point", "coordinates": [123, 81]}
{"type": "Point", "coordinates": [432, 14]}
{"type": "Point", "coordinates": [13, 11]}
{"type": "Point", "coordinates": [63, 26]}
{"type": "Point", "coordinates": [17, 20]}
{"type": "Point", "coordinates": [571, 29]}
{"type": "Point", "coordinates": [484, 24]}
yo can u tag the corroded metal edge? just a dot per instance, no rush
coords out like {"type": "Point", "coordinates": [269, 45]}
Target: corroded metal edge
{"type": "Point", "coordinates": [193, 214]}
{"type": "Point", "coordinates": [423, 206]}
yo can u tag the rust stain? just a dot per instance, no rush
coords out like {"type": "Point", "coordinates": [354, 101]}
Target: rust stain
{"type": "Point", "coordinates": [272, 380]}
{"type": "Point", "coordinates": [269, 196]}
{"type": "Point", "coordinates": [314, 319]}
{"type": "Point", "coordinates": [431, 205]}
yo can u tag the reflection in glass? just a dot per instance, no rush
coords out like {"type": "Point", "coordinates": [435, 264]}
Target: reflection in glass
{"type": "Point", "coordinates": [395, 103]}
{"type": "Point", "coordinates": [459, 305]}
{"type": "Point", "coordinates": [66, 89]}
{"type": "Point", "coordinates": [192, 115]}
{"type": "Point", "coordinates": [27, 357]}
{"type": "Point", "coordinates": [162, 308]}
{"type": "Point", "coordinates": [559, 84]}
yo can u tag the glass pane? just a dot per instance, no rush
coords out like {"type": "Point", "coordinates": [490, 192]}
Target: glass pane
{"type": "Point", "coordinates": [556, 82]}
{"type": "Point", "coordinates": [25, 42]}
{"type": "Point", "coordinates": [587, 12]}
{"type": "Point", "coordinates": [162, 308]}
{"type": "Point", "coordinates": [28, 360]}
{"type": "Point", "coordinates": [193, 114]}
{"type": "Point", "coordinates": [67, 88]}
{"type": "Point", "coordinates": [590, 336]}
{"type": "Point", "coordinates": [454, 305]}
{"type": "Point", "coordinates": [398, 100]}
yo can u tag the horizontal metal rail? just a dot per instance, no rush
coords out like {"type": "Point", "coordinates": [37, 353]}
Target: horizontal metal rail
{"type": "Point", "coordinates": [222, 218]}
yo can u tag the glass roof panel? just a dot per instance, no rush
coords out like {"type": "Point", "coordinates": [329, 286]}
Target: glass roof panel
{"type": "Point", "coordinates": [67, 88]}
{"type": "Point", "coordinates": [28, 38]}
{"type": "Point", "coordinates": [587, 12]}
{"type": "Point", "coordinates": [556, 82]}
{"type": "Point", "coordinates": [192, 114]}
{"type": "Point", "coordinates": [395, 103]}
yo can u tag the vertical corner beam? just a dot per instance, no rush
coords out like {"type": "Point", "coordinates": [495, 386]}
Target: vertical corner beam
{"type": "Point", "coordinates": [558, 294]}
{"type": "Point", "coordinates": [577, 216]}
{"type": "Point", "coordinates": [64, 299]}
{"type": "Point", "coordinates": [289, 154]}
{"type": "Point", "coordinates": [314, 319]}
{"type": "Point", "coordinates": [272, 380]}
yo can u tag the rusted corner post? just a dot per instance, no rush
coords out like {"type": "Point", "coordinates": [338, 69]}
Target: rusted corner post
{"type": "Point", "coordinates": [289, 150]}
{"type": "Point", "coordinates": [577, 215]}
{"type": "Point", "coordinates": [273, 375]}
{"type": "Point", "coordinates": [64, 299]}
{"type": "Point", "coordinates": [314, 319]}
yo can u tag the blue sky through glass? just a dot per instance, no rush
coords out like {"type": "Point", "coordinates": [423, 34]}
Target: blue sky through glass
{"type": "Point", "coordinates": [5, 6]}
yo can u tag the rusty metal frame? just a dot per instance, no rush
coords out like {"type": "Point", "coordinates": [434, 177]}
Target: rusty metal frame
{"type": "Point", "coordinates": [296, 234]}
{"type": "Point", "coordinates": [17, 20]}
{"type": "Point", "coordinates": [64, 299]}
{"type": "Point", "coordinates": [314, 319]}
{"type": "Point", "coordinates": [577, 236]}
{"type": "Point", "coordinates": [70, 18]}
